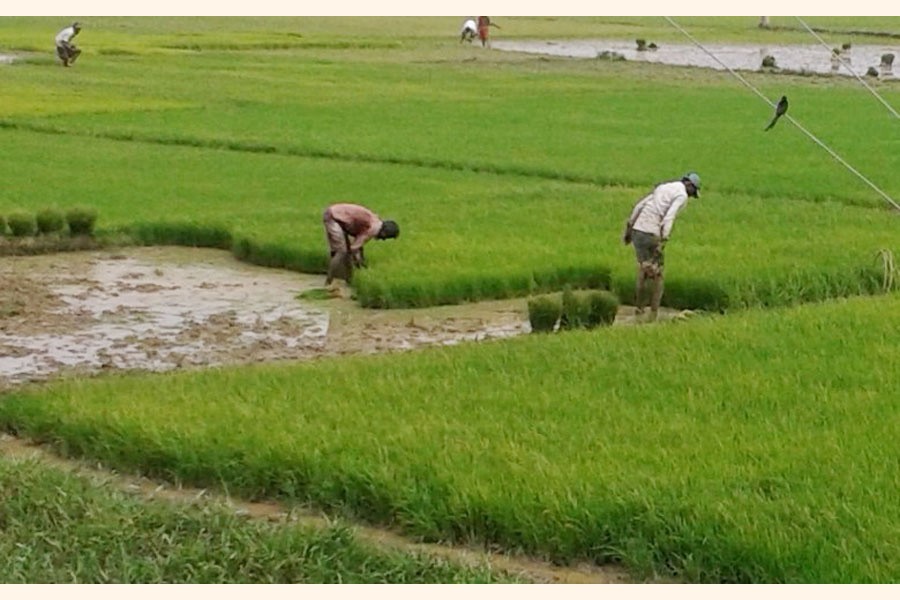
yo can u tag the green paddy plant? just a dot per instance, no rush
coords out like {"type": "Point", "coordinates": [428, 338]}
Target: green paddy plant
{"type": "Point", "coordinates": [602, 307]}
{"type": "Point", "coordinates": [782, 471]}
{"type": "Point", "coordinates": [544, 312]}
{"type": "Point", "coordinates": [50, 220]}
{"type": "Point", "coordinates": [22, 224]}
{"type": "Point", "coordinates": [60, 527]}
{"type": "Point", "coordinates": [2, 225]}
{"type": "Point", "coordinates": [81, 220]}
{"type": "Point", "coordinates": [575, 310]}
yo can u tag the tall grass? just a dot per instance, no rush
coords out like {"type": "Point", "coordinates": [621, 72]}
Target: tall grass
{"type": "Point", "coordinates": [752, 448]}
{"type": "Point", "coordinates": [59, 528]}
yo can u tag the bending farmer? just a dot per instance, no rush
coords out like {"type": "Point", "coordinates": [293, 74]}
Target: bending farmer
{"type": "Point", "coordinates": [649, 228]}
{"type": "Point", "coordinates": [65, 49]}
{"type": "Point", "coordinates": [348, 227]}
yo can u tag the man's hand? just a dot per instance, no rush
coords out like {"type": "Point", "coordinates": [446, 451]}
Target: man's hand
{"type": "Point", "coordinates": [626, 236]}
{"type": "Point", "coordinates": [358, 259]}
{"type": "Point", "coordinates": [661, 245]}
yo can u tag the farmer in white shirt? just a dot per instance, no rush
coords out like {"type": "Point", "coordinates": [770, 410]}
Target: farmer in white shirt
{"type": "Point", "coordinates": [649, 228]}
{"type": "Point", "coordinates": [469, 30]}
{"type": "Point", "coordinates": [65, 49]}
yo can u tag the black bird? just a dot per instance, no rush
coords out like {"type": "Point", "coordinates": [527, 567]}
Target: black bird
{"type": "Point", "coordinates": [779, 110]}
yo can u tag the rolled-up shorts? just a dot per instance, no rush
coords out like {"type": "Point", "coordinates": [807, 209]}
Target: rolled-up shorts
{"type": "Point", "coordinates": [647, 248]}
{"type": "Point", "coordinates": [334, 232]}
{"type": "Point", "coordinates": [65, 51]}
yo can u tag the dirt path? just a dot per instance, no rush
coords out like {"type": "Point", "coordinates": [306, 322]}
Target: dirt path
{"type": "Point", "coordinates": [12, 448]}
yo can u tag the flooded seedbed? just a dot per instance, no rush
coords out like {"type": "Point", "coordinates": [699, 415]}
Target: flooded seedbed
{"type": "Point", "coordinates": [801, 58]}
{"type": "Point", "coordinates": [164, 308]}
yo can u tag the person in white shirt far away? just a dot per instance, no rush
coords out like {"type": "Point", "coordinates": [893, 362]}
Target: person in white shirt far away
{"type": "Point", "coordinates": [469, 30]}
{"type": "Point", "coordinates": [65, 49]}
{"type": "Point", "coordinates": [648, 229]}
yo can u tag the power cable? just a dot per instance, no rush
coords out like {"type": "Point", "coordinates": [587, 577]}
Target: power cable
{"type": "Point", "coordinates": [849, 68]}
{"type": "Point", "coordinates": [786, 116]}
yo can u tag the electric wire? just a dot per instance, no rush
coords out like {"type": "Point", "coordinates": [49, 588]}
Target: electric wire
{"type": "Point", "coordinates": [786, 116]}
{"type": "Point", "coordinates": [849, 68]}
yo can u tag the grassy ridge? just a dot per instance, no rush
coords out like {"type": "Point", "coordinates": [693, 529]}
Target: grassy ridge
{"type": "Point", "coordinates": [58, 528]}
{"type": "Point", "coordinates": [626, 445]}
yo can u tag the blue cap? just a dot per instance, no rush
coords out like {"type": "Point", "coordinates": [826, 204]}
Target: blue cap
{"type": "Point", "coordinates": [694, 179]}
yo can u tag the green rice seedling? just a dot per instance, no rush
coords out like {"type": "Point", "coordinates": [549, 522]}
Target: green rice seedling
{"type": "Point", "coordinates": [602, 308]}
{"type": "Point", "coordinates": [50, 220]}
{"type": "Point", "coordinates": [552, 445]}
{"type": "Point", "coordinates": [315, 294]}
{"type": "Point", "coordinates": [575, 310]}
{"type": "Point", "coordinates": [162, 157]}
{"type": "Point", "coordinates": [21, 224]}
{"type": "Point", "coordinates": [181, 234]}
{"type": "Point", "coordinates": [544, 313]}
{"type": "Point", "coordinates": [81, 220]}
{"type": "Point", "coordinates": [64, 528]}
{"type": "Point", "coordinates": [2, 225]}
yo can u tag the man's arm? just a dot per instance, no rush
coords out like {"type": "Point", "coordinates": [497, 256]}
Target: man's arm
{"type": "Point", "coordinates": [365, 236]}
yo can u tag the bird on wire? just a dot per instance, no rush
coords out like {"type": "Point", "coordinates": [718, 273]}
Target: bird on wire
{"type": "Point", "coordinates": [780, 109]}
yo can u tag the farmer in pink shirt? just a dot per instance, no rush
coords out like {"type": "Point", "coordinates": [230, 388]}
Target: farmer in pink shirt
{"type": "Point", "coordinates": [348, 227]}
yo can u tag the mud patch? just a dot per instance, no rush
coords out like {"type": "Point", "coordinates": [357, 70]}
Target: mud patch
{"type": "Point", "coordinates": [801, 58]}
{"type": "Point", "coordinates": [166, 308]}
{"type": "Point", "coordinates": [155, 309]}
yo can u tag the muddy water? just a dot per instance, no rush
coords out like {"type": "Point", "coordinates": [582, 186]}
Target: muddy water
{"type": "Point", "coordinates": [165, 308]}
{"type": "Point", "coordinates": [811, 58]}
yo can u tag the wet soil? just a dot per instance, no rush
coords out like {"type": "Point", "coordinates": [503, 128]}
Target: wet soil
{"type": "Point", "coordinates": [533, 570]}
{"type": "Point", "coordinates": [800, 58]}
{"type": "Point", "coordinates": [166, 308]}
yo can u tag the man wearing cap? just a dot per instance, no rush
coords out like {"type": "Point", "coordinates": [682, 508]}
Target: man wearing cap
{"type": "Point", "coordinates": [345, 221]}
{"type": "Point", "coordinates": [65, 49]}
{"type": "Point", "coordinates": [649, 228]}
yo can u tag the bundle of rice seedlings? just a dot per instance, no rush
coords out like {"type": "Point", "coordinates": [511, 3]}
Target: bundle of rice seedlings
{"type": "Point", "coordinates": [543, 313]}
{"type": "Point", "coordinates": [22, 224]}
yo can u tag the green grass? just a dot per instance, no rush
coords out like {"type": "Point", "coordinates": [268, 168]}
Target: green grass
{"type": "Point", "coordinates": [752, 448]}
{"type": "Point", "coordinates": [451, 141]}
{"type": "Point", "coordinates": [59, 528]}
{"type": "Point", "coordinates": [749, 448]}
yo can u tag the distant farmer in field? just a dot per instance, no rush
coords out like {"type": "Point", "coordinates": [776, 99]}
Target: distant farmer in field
{"type": "Point", "coordinates": [484, 25]}
{"type": "Point", "coordinates": [348, 227]}
{"type": "Point", "coordinates": [649, 228]}
{"type": "Point", "coordinates": [65, 49]}
{"type": "Point", "coordinates": [469, 31]}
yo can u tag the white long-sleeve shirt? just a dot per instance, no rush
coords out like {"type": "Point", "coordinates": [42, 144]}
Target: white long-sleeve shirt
{"type": "Point", "coordinates": [65, 35]}
{"type": "Point", "coordinates": [655, 213]}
